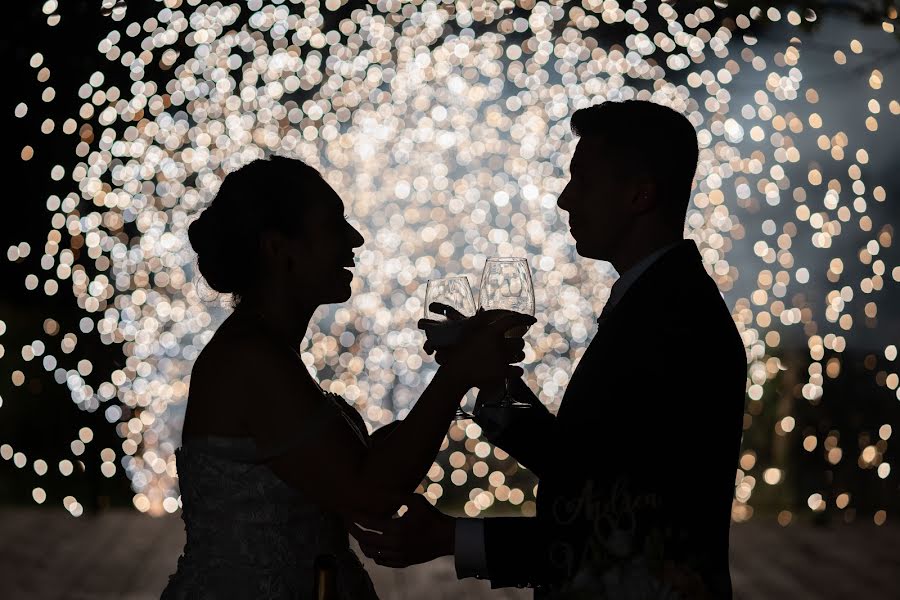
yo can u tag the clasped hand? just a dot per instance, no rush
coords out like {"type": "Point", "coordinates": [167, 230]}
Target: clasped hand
{"type": "Point", "coordinates": [421, 534]}
{"type": "Point", "coordinates": [478, 347]}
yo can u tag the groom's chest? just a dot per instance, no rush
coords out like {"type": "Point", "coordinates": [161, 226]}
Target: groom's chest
{"type": "Point", "coordinates": [600, 386]}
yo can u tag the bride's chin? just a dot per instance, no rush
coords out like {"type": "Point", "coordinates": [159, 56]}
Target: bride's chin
{"type": "Point", "coordinates": [344, 293]}
{"type": "Point", "coordinates": [333, 294]}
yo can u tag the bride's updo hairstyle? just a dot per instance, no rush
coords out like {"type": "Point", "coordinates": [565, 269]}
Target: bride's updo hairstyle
{"type": "Point", "coordinates": [269, 194]}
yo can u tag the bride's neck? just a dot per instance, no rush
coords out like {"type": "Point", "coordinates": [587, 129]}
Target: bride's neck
{"type": "Point", "coordinates": [284, 319]}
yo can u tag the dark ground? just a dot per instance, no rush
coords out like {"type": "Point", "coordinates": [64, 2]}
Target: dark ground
{"type": "Point", "coordinates": [122, 554]}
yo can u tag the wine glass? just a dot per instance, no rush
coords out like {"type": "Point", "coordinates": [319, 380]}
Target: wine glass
{"type": "Point", "coordinates": [453, 292]}
{"type": "Point", "coordinates": [506, 285]}
{"type": "Point", "coordinates": [456, 295]}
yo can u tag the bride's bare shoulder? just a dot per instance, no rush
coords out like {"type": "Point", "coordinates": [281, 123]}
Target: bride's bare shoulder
{"type": "Point", "coordinates": [236, 366]}
{"type": "Point", "coordinates": [243, 354]}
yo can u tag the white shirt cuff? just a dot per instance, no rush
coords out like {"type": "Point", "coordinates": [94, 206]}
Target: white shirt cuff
{"type": "Point", "coordinates": [469, 550]}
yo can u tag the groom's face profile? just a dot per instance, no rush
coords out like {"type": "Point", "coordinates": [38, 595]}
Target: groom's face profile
{"type": "Point", "coordinates": [597, 198]}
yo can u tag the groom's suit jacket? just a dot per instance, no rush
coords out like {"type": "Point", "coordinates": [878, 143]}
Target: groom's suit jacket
{"type": "Point", "coordinates": [642, 455]}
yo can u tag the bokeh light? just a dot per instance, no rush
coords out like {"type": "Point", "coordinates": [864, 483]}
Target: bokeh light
{"type": "Point", "coordinates": [444, 127]}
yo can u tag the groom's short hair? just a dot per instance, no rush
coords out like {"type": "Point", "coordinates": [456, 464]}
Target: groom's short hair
{"type": "Point", "coordinates": [652, 142]}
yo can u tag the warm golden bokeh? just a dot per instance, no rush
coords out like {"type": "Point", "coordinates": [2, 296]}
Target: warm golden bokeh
{"type": "Point", "coordinates": [447, 148]}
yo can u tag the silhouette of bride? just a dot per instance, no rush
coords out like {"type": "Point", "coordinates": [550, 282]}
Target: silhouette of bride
{"type": "Point", "coordinates": [271, 466]}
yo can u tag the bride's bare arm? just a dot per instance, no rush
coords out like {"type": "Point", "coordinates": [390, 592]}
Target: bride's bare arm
{"type": "Point", "coordinates": [325, 458]}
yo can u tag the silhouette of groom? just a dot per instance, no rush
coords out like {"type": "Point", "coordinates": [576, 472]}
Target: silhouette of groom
{"type": "Point", "coordinates": [636, 471]}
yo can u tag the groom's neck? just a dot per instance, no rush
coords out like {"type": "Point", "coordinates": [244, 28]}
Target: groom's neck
{"type": "Point", "coordinates": [639, 245]}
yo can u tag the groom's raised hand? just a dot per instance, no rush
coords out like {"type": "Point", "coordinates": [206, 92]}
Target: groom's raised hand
{"type": "Point", "coordinates": [474, 345]}
{"type": "Point", "coordinates": [460, 330]}
{"type": "Point", "coordinates": [421, 534]}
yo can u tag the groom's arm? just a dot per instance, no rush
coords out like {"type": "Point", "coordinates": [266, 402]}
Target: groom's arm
{"type": "Point", "coordinates": [509, 551]}
{"type": "Point", "coordinates": [516, 552]}
{"type": "Point", "coordinates": [525, 433]}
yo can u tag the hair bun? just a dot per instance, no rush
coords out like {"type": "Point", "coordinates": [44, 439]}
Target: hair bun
{"type": "Point", "coordinates": [212, 240]}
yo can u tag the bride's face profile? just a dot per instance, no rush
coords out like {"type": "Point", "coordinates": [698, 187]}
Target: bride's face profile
{"type": "Point", "coordinates": [315, 265]}
{"type": "Point", "coordinates": [276, 232]}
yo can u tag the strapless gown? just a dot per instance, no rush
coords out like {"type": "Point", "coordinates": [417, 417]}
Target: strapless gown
{"type": "Point", "coordinates": [251, 535]}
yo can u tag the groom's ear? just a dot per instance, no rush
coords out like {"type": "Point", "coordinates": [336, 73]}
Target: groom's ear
{"type": "Point", "coordinates": [270, 245]}
{"type": "Point", "coordinates": [644, 199]}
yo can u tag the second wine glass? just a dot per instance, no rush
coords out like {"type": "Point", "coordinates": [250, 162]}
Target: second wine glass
{"type": "Point", "coordinates": [506, 285]}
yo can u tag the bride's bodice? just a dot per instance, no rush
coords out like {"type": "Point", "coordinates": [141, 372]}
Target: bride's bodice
{"type": "Point", "coordinates": [249, 534]}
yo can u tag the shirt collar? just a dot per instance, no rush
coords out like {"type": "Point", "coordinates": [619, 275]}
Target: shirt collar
{"type": "Point", "coordinates": [627, 279]}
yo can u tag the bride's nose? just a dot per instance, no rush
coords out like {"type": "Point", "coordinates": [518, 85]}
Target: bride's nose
{"type": "Point", "coordinates": [356, 238]}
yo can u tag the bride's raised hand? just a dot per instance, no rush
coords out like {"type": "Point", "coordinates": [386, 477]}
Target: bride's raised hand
{"type": "Point", "coordinates": [484, 345]}
{"type": "Point", "coordinates": [442, 333]}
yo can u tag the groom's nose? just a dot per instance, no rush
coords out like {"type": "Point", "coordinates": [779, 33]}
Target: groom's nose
{"type": "Point", "coordinates": [563, 200]}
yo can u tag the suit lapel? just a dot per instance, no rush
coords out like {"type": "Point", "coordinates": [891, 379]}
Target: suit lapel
{"type": "Point", "coordinates": [587, 379]}
{"type": "Point", "coordinates": [600, 362]}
